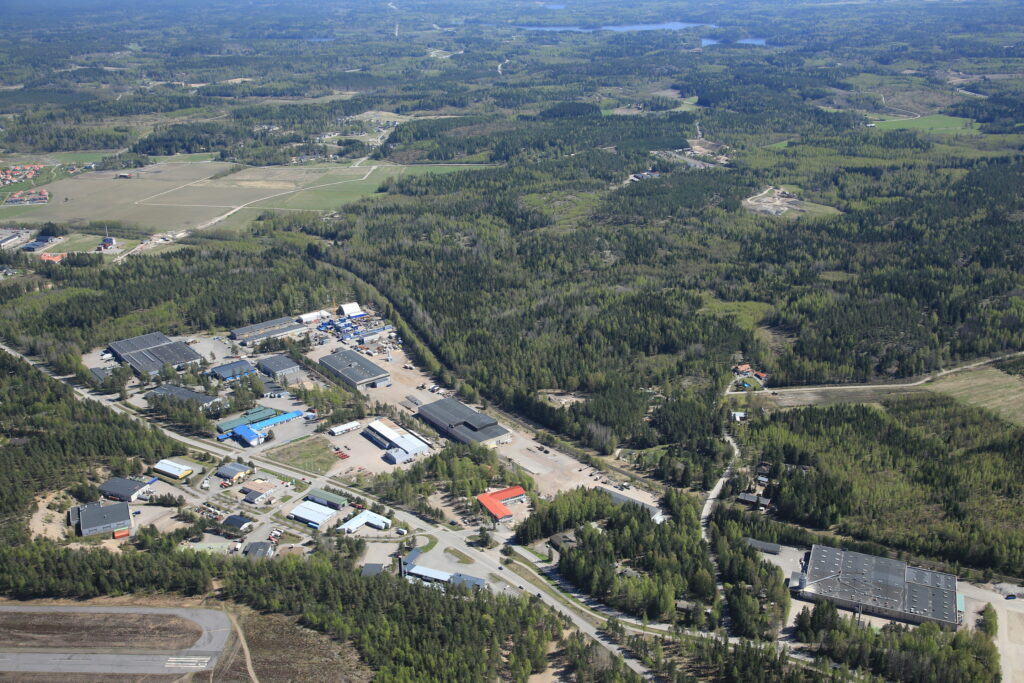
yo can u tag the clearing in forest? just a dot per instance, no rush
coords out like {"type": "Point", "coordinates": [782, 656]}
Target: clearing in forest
{"type": "Point", "coordinates": [988, 388]}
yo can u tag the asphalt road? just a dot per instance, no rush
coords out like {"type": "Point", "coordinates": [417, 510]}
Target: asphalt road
{"type": "Point", "coordinates": [202, 655]}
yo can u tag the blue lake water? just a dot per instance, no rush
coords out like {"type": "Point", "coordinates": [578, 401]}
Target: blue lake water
{"type": "Point", "coordinates": [704, 42]}
{"type": "Point", "coordinates": [622, 28]}
{"type": "Point", "coordinates": [552, 5]}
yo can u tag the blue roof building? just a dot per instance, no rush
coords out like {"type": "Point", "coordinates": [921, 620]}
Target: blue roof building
{"type": "Point", "coordinates": [229, 372]}
{"type": "Point", "coordinates": [249, 436]}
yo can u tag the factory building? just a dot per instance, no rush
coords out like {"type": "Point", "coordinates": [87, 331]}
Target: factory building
{"type": "Point", "coordinates": [125, 490]}
{"type": "Point", "coordinates": [312, 514]}
{"type": "Point", "coordinates": [355, 370]}
{"type": "Point", "coordinates": [401, 446]}
{"type": "Point", "coordinates": [238, 523]}
{"type": "Point", "coordinates": [338, 430]}
{"type": "Point", "coordinates": [495, 502]}
{"type": "Point", "coordinates": [326, 498]}
{"type": "Point", "coordinates": [880, 586]}
{"type": "Point", "coordinates": [280, 368]}
{"type": "Point", "coordinates": [149, 353]}
{"type": "Point", "coordinates": [256, 492]}
{"type": "Point", "coordinates": [461, 423]}
{"type": "Point", "coordinates": [250, 335]}
{"type": "Point", "coordinates": [234, 471]}
{"type": "Point", "coordinates": [248, 436]}
{"type": "Point", "coordinates": [172, 469]}
{"type": "Point", "coordinates": [96, 518]}
{"type": "Point", "coordinates": [259, 550]}
{"type": "Point", "coordinates": [257, 414]}
{"type": "Point", "coordinates": [368, 518]}
{"type": "Point", "coordinates": [229, 372]}
{"type": "Point", "coordinates": [202, 401]}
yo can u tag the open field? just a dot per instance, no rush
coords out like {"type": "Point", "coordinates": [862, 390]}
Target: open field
{"type": "Point", "coordinates": [312, 455]}
{"type": "Point", "coordinates": [76, 242]}
{"type": "Point", "coordinates": [146, 631]}
{"type": "Point", "coordinates": [936, 123]}
{"type": "Point", "coordinates": [175, 196]}
{"type": "Point", "coordinates": [988, 388]}
{"type": "Point", "coordinates": [808, 397]}
{"type": "Point", "coordinates": [198, 156]}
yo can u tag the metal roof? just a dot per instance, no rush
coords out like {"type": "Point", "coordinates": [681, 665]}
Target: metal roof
{"type": "Point", "coordinates": [353, 367]}
{"type": "Point", "coordinates": [259, 549]}
{"type": "Point", "coordinates": [764, 546]}
{"type": "Point", "coordinates": [236, 521]}
{"type": "Point", "coordinates": [316, 495]}
{"type": "Point", "coordinates": [277, 419]}
{"type": "Point", "coordinates": [468, 581]}
{"type": "Point", "coordinates": [232, 470]}
{"type": "Point", "coordinates": [882, 582]}
{"type": "Point", "coordinates": [119, 487]}
{"type": "Point", "coordinates": [312, 513]}
{"type": "Point", "coordinates": [173, 468]}
{"type": "Point", "coordinates": [234, 369]}
{"type": "Point", "coordinates": [183, 394]}
{"type": "Point", "coordinates": [255, 328]}
{"type": "Point", "coordinates": [248, 434]}
{"type": "Point", "coordinates": [148, 353]}
{"type": "Point", "coordinates": [428, 573]}
{"type": "Point", "coordinates": [460, 422]}
{"type": "Point", "coordinates": [372, 569]}
{"type": "Point", "coordinates": [364, 517]}
{"type": "Point", "coordinates": [255, 415]}
{"type": "Point", "coordinates": [276, 364]}
{"type": "Point", "coordinates": [96, 515]}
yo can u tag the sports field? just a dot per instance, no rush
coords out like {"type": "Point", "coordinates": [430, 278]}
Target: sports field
{"type": "Point", "coordinates": [176, 196]}
{"type": "Point", "coordinates": [988, 388]}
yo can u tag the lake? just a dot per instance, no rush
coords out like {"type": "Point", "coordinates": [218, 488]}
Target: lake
{"type": "Point", "coordinates": [620, 28]}
{"type": "Point", "coordinates": [705, 42]}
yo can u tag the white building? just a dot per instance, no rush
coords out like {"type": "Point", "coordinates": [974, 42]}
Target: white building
{"type": "Point", "coordinates": [312, 514]}
{"type": "Point", "coordinates": [172, 469]}
{"type": "Point", "coordinates": [368, 518]}
{"type": "Point", "coordinates": [344, 429]}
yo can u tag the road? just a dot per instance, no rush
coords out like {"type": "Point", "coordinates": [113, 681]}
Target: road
{"type": "Point", "coordinates": [201, 656]}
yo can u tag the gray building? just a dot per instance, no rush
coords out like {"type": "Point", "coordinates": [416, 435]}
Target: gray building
{"type": "Point", "coordinates": [279, 368]}
{"type": "Point", "coordinates": [355, 370]}
{"type": "Point", "coordinates": [234, 370]}
{"type": "Point", "coordinates": [250, 335]}
{"type": "Point", "coordinates": [880, 586]}
{"type": "Point", "coordinates": [259, 550]}
{"type": "Point", "coordinates": [126, 490]}
{"type": "Point", "coordinates": [96, 518]}
{"type": "Point", "coordinates": [461, 423]}
{"type": "Point", "coordinates": [203, 401]}
{"type": "Point", "coordinates": [148, 353]}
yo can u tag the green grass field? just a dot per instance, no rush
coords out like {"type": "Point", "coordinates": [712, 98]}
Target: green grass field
{"type": "Point", "coordinates": [83, 157]}
{"type": "Point", "coordinates": [198, 156]}
{"type": "Point", "coordinates": [76, 242]}
{"type": "Point", "coordinates": [988, 388]}
{"type": "Point", "coordinates": [936, 123]}
{"type": "Point", "coordinates": [312, 455]}
{"type": "Point", "coordinates": [748, 313]}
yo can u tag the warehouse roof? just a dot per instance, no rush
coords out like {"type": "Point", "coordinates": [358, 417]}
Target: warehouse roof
{"type": "Point", "coordinates": [468, 581]}
{"type": "Point", "coordinates": [259, 549]}
{"type": "Point", "coordinates": [881, 582]}
{"type": "Point", "coordinates": [148, 353]}
{"type": "Point", "coordinates": [248, 434]}
{"type": "Point", "coordinates": [96, 515]}
{"type": "Point", "coordinates": [255, 415]}
{"type": "Point", "coordinates": [312, 513]}
{"type": "Point", "coordinates": [259, 485]}
{"type": "Point", "coordinates": [234, 369]}
{"type": "Point", "coordinates": [183, 394]}
{"type": "Point", "coordinates": [237, 522]}
{"type": "Point", "coordinates": [460, 422]}
{"type": "Point", "coordinates": [428, 573]}
{"type": "Point", "coordinates": [119, 487]}
{"type": "Point", "coordinates": [326, 496]}
{"type": "Point", "coordinates": [494, 502]}
{"type": "Point", "coordinates": [276, 364]}
{"type": "Point", "coordinates": [352, 367]}
{"type": "Point", "coordinates": [365, 517]}
{"type": "Point", "coordinates": [232, 470]}
{"type": "Point", "coordinates": [173, 468]}
{"type": "Point", "coordinates": [256, 328]}
{"type": "Point", "coordinates": [764, 546]}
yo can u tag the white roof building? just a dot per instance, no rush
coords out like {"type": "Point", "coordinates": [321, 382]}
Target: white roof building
{"type": "Point", "coordinates": [312, 514]}
{"type": "Point", "coordinates": [365, 517]}
{"type": "Point", "coordinates": [172, 469]}
{"type": "Point", "coordinates": [350, 309]}
{"type": "Point", "coordinates": [341, 429]}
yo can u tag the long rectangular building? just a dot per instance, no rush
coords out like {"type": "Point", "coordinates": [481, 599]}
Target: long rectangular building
{"type": "Point", "coordinates": [461, 423]}
{"type": "Point", "coordinates": [880, 586]}
{"type": "Point", "coordinates": [251, 335]}
{"type": "Point", "coordinates": [355, 370]}
{"type": "Point", "coordinates": [148, 353]}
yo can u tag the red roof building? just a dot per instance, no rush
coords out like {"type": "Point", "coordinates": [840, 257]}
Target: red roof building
{"type": "Point", "coordinates": [494, 502]}
{"type": "Point", "coordinates": [54, 258]}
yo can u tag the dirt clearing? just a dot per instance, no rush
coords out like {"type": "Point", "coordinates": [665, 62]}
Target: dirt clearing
{"type": "Point", "coordinates": [133, 631]}
{"type": "Point", "coordinates": [987, 388]}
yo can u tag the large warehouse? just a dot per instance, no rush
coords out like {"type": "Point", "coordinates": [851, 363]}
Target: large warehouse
{"type": "Point", "coordinates": [461, 423]}
{"type": "Point", "coordinates": [121, 489]}
{"type": "Point", "coordinates": [279, 368]}
{"type": "Point", "coordinates": [229, 372]}
{"type": "Point", "coordinates": [355, 370]}
{"type": "Point", "coordinates": [878, 585]}
{"type": "Point", "coordinates": [312, 514]}
{"type": "Point", "coordinates": [96, 518]}
{"type": "Point", "coordinates": [149, 353]}
{"type": "Point", "coordinates": [172, 469]}
{"type": "Point", "coordinates": [203, 401]}
{"type": "Point", "coordinates": [250, 335]}
{"type": "Point", "coordinates": [365, 517]}
{"type": "Point", "coordinates": [401, 445]}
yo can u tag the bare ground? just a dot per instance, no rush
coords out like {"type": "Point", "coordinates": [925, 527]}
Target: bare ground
{"type": "Point", "coordinates": [132, 631]}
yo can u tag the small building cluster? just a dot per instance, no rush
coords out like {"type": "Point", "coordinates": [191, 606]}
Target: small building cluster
{"type": "Point", "coordinates": [745, 370]}
{"type": "Point", "coordinates": [18, 174]}
{"type": "Point", "coordinates": [41, 242]}
{"type": "Point", "coordinates": [23, 197]}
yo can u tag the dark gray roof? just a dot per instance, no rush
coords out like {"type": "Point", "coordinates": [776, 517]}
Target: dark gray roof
{"type": "Point", "coordinates": [753, 499]}
{"type": "Point", "coordinates": [276, 364]}
{"type": "Point", "coordinates": [101, 374]}
{"type": "Point", "coordinates": [260, 549]}
{"type": "Point", "coordinates": [467, 581]}
{"type": "Point", "coordinates": [255, 328]}
{"type": "Point", "coordinates": [460, 422]}
{"type": "Point", "coordinates": [174, 391]}
{"type": "Point", "coordinates": [232, 469]}
{"type": "Point", "coordinates": [233, 369]}
{"type": "Point", "coordinates": [121, 488]}
{"type": "Point", "coordinates": [254, 497]}
{"type": "Point", "coordinates": [882, 582]}
{"type": "Point", "coordinates": [140, 343]}
{"type": "Point", "coordinates": [353, 367]}
{"type": "Point", "coordinates": [764, 546]}
{"type": "Point", "coordinates": [236, 521]}
{"type": "Point", "coordinates": [96, 515]}
{"type": "Point", "coordinates": [148, 353]}
{"type": "Point", "coordinates": [372, 569]}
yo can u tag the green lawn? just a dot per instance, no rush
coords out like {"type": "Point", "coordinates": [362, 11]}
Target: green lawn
{"type": "Point", "coordinates": [936, 123]}
{"type": "Point", "coordinates": [76, 242]}
{"type": "Point", "coordinates": [83, 157]}
{"type": "Point", "coordinates": [986, 388]}
{"type": "Point", "coordinates": [747, 313]}
{"type": "Point", "coordinates": [199, 156]}
{"type": "Point", "coordinates": [312, 455]}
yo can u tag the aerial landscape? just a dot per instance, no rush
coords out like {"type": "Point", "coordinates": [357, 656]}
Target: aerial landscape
{"type": "Point", "coordinates": [532, 341]}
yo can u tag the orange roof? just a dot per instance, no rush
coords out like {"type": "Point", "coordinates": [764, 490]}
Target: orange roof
{"type": "Point", "coordinates": [56, 258]}
{"type": "Point", "coordinates": [493, 501]}
{"type": "Point", "coordinates": [743, 368]}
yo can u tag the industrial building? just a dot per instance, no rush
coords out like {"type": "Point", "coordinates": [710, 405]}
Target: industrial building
{"type": "Point", "coordinates": [368, 518]}
{"type": "Point", "coordinates": [234, 471]}
{"type": "Point", "coordinates": [880, 586]}
{"type": "Point", "coordinates": [257, 414]}
{"type": "Point", "coordinates": [259, 550]}
{"type": "Point", "coordinates": [350, 309]}
{"type": "Point", "coordinates": [338, 430]}
{"type": "Point", "coordinates": [125, 490]}
{"type": "Point", "coordinates": [96, 518]}
{"type": "Point", "coordinates": [412, 570]}
{"type": "Point", "coordinates": [620, 498]}
{"type": "Point", "coordinates": [238, 523]}
{"type": "Point", "coordinates": [229, 372]}
{"type": "Point", "coordinates": [279, 368]}
{"type": "Point", "coordinates": [764, 546]}
{"type": "Point", "coordinates": [355, 370]}
{"type": "Point", "coordinates": [250, 335]}
{"type": "Point", "coordinates": [172, 469]}
{"type": "Point", "coordinates": [326, 498]}
{"type": "Point", "coordinates": [461, 423]}
{"type": "Point", "coordinates": [149, 353]}
{"type": "Point", "coordinates": [202, 401]}
{"type": "Point", "coordinates": [495, 502]}
{"type": "Point", "coordinates": [312, 514]}
{"type": "Point", "coordinates": [401, 446]}
{"type": "Point", "coordinates": [248, 436]}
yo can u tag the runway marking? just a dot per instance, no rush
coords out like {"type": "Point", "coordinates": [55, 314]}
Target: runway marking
{"type": "Point", "coordinates": [187, 662]}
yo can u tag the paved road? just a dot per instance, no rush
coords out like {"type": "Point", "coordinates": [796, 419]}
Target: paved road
{"type": "Point", "coordinates": [202, 655]}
